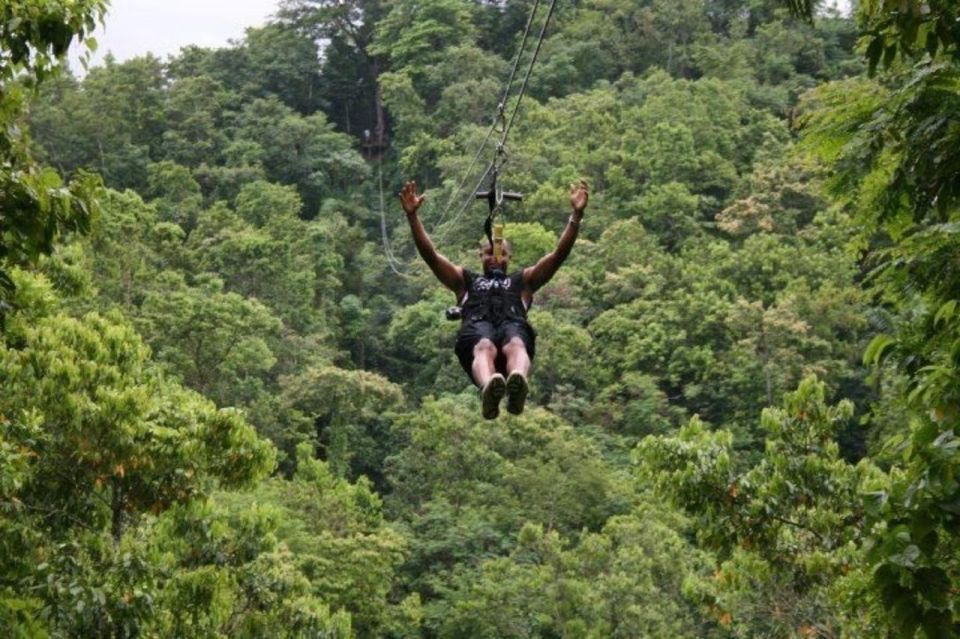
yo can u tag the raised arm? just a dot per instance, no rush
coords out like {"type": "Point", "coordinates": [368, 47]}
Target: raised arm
{"type": "Point", "coordinates": [540, 273]}
{"type": "Point", "coordinates": [449, 274]}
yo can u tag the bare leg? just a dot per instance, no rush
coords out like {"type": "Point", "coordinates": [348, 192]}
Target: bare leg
{"type": "Point", "coordinates": [484, 354]}
{"type": "Point", "coordinates": [491, 383]}
{"type": "Point", "coordinates": [517, 359]}
{"type": "Point", "coordinates": [518, 365]}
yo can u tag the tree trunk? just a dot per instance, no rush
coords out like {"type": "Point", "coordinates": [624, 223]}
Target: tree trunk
{"type": "Point", "coordinates": [381, 125]}
{"type": "Point", "coordinates": [116, 507]}
{"type": "Point", "coordinates": [765, 356]}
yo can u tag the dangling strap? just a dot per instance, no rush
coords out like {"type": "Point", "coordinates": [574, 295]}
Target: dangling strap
{"type": "Point", "coordinates": [497, 241]}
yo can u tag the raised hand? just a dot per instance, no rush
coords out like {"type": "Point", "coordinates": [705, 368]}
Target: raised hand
{"type": "Point", "coordinates": [409, 198]}
{"type": "Point", "coordinates": [579, 194]}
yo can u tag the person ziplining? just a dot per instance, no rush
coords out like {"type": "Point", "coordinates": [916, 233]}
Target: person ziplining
{"type": "Point", "coordinates": [495, 344]}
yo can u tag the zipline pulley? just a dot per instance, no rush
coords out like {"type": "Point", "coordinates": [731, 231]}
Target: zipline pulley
{"type": "Point", "coordinates": [495, 197]}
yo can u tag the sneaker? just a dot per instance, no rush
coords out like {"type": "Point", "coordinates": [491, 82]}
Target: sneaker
{"type": "Point", "coordinates": [517, 390]}
{"type": "Point", "coordinates": [491, 395]}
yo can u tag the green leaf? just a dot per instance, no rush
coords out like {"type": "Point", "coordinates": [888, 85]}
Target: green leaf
{"type": "Point", "coordinates": [889, 55]}
{"type": "Point", "coordinates": [946, 441]}
{"type": "Point", "coordinates": [937, 624]}
{"type": "Point", "coordinates": [873, 354]}
{"type": "Point", "coordinates": [952, 507]}
{"type": "Point", "coordinates": [907, 616]}
{"type": "Point", "coordinates": [874, 502]}
{"type": "Point", "coordinates": [945, 313]}
{"type": "Point", "coordinates": [934, 586]}
{"type": "Point", "coordinates": [906, 558]}
{"type": "Point", "coordinates": [874, 51]}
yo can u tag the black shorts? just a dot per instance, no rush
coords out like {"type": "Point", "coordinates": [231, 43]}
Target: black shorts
{"type": "Point", "coordinates": [472, 331]}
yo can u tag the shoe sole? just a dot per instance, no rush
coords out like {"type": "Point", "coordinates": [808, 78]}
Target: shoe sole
{"type": "Point", "coordinates": [494, 391]}
{"type": "Point", "coordinates": [517, 389]}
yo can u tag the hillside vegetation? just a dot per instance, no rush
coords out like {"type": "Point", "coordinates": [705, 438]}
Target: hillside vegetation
{"type": "Point", "coordinates": [229, 405]}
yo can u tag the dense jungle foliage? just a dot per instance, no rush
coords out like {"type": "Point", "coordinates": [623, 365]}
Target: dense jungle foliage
{"type": "Point", "coordinates": [229, 405]}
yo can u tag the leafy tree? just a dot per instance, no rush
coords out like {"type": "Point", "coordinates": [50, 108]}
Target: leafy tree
{"type": "Point", "coordinates": [215, 341]}
{"type": "Point", "coordinates": [118, 118]}
{"type": "Point", "coordinates": [37, 36]}
{"type": "Point", "coordinates": [247, 580]}
{"type": "Point", "coordinates": [194, 113]}
{"type": "Point", "coordinates": [121, 257]}
{"type": "Point", "coordinates": [352, 66]}
{"type": "Point", "coordinates": [626, 580]}
{"type": "Point", "coordinates": [789, 530]}
{"type": "Point", "coordinates": [916, 29]}
{"type": "Point", "coordinates": [337, 539]}
{"type": "Point", "coordinates": [175, 193]}
{"type": "Point", "coordinates": [465, 488]}
{"type": "Point", "coordinates": [271, 258]}
{"type": "Point", "coordinates": [895, 167]}
{"type": "Point", "coordinates": [261, 202]}
{"type": "Point", "coordinates": [778, 197]}
{"type": "Point", "coordinates": [634, 406]}
{"type": "Point", "coordinates": [563, 357]}
{"type": "Point", "coordinates": [413, 36]}
{"type": "Point", "coordinates": [305, 152]}
{"type": "Point", "coordinates": [37, 205]}
{"type": "Point", "coordinates": [94, 440]}
{"type": "Point", "coordinates": [420, 340]}
{"type": "Point", "coordinates": [109, 435]}
{"type": "Point", "coordinates": [345, 407]}
{"type": "Point", "coordinates": [284, 62]}
{"type": "Point", "coordinates": [670, 211]}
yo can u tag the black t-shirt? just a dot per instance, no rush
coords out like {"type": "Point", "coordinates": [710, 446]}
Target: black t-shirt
{"type": "Point", "coordinates": [493, 298]}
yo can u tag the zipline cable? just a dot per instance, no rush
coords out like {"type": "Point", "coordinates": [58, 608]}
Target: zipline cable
{"type": "Point", "coordinates": [456, 218]}
{"type": "Point", "coordinates": [499, 118]}
{"type": "Point", "coordinates": [526, 78]}
{"type": "Point", "coordinates": [497, 162]}
{"type": "Point", "coordinates": [466, 176]}
{"type": "Point", "coordinates": [507, 124]}
{"type": "Point", "coordinates": [516, 63]}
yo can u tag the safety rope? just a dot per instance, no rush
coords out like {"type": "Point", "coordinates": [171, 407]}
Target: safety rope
{"type": "Point", "coordinates": [456, 218]}
{"type": "Point", "coordinates": [500, 154]}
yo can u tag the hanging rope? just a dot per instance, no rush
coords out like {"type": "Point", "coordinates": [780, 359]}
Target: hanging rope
{"type": "Point", "coordinates": [392, 261]}
{"type": "Point", "coordinates": [495, 195]}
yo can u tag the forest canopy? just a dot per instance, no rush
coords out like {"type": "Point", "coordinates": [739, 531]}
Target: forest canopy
{"type": "Point", "coordinates": [229, 405]}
